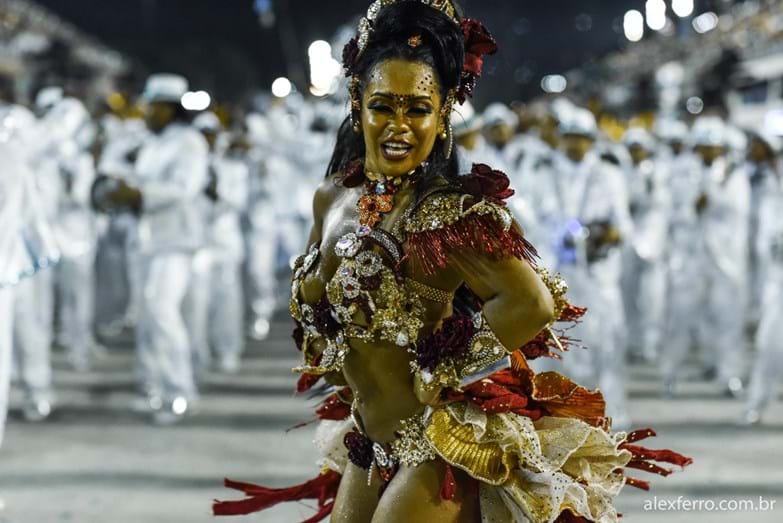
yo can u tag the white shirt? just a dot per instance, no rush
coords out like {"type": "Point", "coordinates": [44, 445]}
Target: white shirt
{"type": "Point", "coordinates": [171, 172]}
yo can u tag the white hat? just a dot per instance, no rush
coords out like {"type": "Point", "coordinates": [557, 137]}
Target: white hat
{"type": "Point", "coordinates": [498, 113]}
{"type": "Point", "coordinates": [561, 108]}
{"type": "Point", "coordinates": [772, 141]}
{"type": "Point", "coordinates": [165, 87]}
{"type": "Point", "coordinates": [48, 97]}
{"type": "Point", "coordinates": [579, 121]}
{"type": "Point", "coordinates": [709, 130]}
{"type": "Point", "coordinates": [258, 128]}
{"type": "Point", "coordinates": [464, 119]}
{"type": "Point", "coordinates": [736, 138]}
{"type": "Point", "coordinates": [671, 130]}
{"type": "Point", "coordinates": [207, 122]}
{"type": "Point", "coordinates": [640, 137]}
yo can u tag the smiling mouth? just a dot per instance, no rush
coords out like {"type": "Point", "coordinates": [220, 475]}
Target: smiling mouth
{"type": "Point", "coordinates": [396, 151]}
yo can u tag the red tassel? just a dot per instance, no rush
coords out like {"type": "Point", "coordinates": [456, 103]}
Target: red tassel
{"type": "Point", "coordinates": [639, 435]}
{"type": "Point", "coordinates": [306, 382]}
{"type": "Point", "coordinates": [638, 483]}
{"type": "Point", "coordinates": [640, 464]}
{"type": "Point", "coordinates": [449, 486]}
{"type": "Point", "coordinates": [481, 234]}
{"type": "Point", "coordinates": [662, 455]}
{"type": "Point", "coordinates": [323, 488]}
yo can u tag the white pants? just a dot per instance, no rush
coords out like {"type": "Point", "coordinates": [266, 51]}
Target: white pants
{"type": "Point", "coordinates": [6, 341]}
{"type": "Point", "coordinates": [196, 309]}
{"type": "Point", "coordinates": [261, 264]}
{"type": "Point", "coordinates": [225, 316]}
{"type": "Point", "coordinates": [76, 290]}
{"type": "Point", "coordinates": [651, 306]}
{"type": "Point", "coordinates": [768, 368]}
{"type": "Point", "coordinates": [163, 345]}
{"type": "Point", "coordinates": [722, 324]}
{"type": "Point", "coordinates": [686, 285]}
{"type": "Point", "coordinates": [32, 335]}
{"type": "Point", "coordinates": [214, 307]}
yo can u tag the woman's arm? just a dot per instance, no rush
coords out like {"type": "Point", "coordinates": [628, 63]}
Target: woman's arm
{"type": "Point", "coordinates": [322, 201]}
{"type": "Point", "coordinates": [517, 304]}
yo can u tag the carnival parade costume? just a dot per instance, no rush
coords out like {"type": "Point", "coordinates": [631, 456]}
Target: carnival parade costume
{"type": "Point", "coordinates": [538, 447]}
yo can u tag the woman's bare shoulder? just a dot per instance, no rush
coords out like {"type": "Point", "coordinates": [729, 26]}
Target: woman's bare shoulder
{"type": "Point", "coordinates": [328, 191]}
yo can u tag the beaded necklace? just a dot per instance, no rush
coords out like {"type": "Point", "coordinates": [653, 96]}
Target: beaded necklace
{"type": "Point", "coordinates": [378, 197]}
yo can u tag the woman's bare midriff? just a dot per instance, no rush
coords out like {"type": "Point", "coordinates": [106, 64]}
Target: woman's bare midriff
{"type": "Point", "coordinates": [379, 375]}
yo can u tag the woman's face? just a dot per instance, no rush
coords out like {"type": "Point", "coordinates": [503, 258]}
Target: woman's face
{"type": "Point", "coordinates": [401, 116]}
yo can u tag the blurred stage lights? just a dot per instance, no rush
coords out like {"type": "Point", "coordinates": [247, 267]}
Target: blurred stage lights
{"type": "Point", "coordinates": [705, 22]}
{"type": "Point", "coordinates": [324, 69]}
{"type": "Point", "coordinates": [633, 25]}
{"type": "Point", "coordinates": [196, 100]}
{"type": "Point", "coordinates": [682, 8]}
{"type": "Point", "coordinates": [554, 83]}
{"type": "Point", "coordinates": [656, 14]}
{"type": "Point", "coordinates": [281, 87]}
{"type": "Point", "coordinates": [319, 48]}
{"type": "Point", "coordinates": [694, 105]}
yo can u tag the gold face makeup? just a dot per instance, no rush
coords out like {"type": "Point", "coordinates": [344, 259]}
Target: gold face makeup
{"type": "Point", "coordinates": [401, 116]}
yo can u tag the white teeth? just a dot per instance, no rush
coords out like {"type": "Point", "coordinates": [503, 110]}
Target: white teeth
{"type": "Point", "coordinates": [396, 150]}
{"type": "Point", "coordinates": [397, 146]}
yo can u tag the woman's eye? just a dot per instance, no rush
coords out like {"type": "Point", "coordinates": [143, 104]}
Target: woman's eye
{"type": "Point", "coordinates": [381, 108]}
{"type": "Point", "coordinates": [419, 111]}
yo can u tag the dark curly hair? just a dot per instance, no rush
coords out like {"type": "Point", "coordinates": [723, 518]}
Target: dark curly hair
{"type": "Point", "coordinates": [442, 49]}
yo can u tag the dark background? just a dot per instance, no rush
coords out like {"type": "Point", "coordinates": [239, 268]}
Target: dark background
{"type": "Point", "coordinates": [221, 46]}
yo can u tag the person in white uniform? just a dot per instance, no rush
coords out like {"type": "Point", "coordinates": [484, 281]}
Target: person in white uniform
{"type": "Point", "coordinates": [27, 245]}
{"type": "Point", "coordinates": [708, 262]}
{"type": "Point", "coordinates": [470, 145]}
{"type": "Point", "coordinates": [761, 170]}
{"type": "Point", "coordinates": [261, 237]}
{"type": "Point", "coordinates": [583, 204]}
{"type": "Point", "coordinates": [644, 270]}
{"type": "Point", "coordinates": [767, 370]}
{"type": "Point", "coordinates": [68, 126]}
{"type": "Point", "coordinates": [121, 252]}
{"type": "Point", "coordinates": [219, 320]}
{"type": "Point", "coordinates": [170, 176]}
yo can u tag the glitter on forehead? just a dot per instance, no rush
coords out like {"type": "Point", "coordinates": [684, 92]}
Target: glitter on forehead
{"type": "Point", "coordinates": [426, 86]}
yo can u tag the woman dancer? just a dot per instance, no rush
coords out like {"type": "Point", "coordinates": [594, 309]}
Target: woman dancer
{"type": "Point", "coordinates": [419, 300]}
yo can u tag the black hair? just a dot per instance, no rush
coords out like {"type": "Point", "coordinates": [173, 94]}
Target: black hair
{"type": "Point", "coordinates": [442, 48]}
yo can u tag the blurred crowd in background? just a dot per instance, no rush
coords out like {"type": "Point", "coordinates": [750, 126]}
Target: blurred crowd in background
{"type": "Point", "coordinates": [164, 214]}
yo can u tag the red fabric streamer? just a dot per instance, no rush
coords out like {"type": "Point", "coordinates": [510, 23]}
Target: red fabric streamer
{"type": "Point", "coordinates": [306, 382]}
{"type": "Point", "coordinates": [323, 489]}
{"type": "Point", "coordinates": [643, 458]}
{"type": "Point", "coordinates": [499, 394]}
{"type": "Point", "coordinates": [337, 406]}
{"type": "Point", "coordinates": [449, 486]}
{"type": "Point", "coordinates": [637, 483]}
{"type": "Point", "coordinates": [639, 435]}
{"type": "Point", "coordinates": [663, 455]}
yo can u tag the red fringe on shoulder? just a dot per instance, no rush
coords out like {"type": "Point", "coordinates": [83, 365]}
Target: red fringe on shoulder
{"type": "Point", "coordinates": [479, 233]}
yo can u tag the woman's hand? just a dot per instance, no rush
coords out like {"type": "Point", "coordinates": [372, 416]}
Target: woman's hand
{"type": "Point", "coordinates": [426, 397]}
